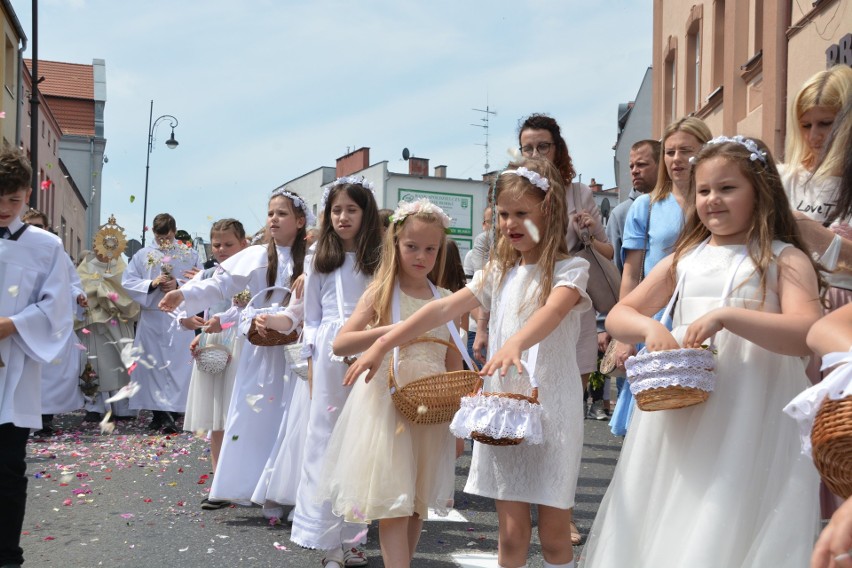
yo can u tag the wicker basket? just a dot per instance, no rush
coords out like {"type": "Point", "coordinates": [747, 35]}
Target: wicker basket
{"type": "Point", "coordinates": [433, 399]}
{"type": "Point", "coordinates": [831, 441]}
{"type": "Point", "coordinates": [484, 438]}
{"type": "Point", "coordinates": [212, 359]}
{"type": "Point", "coordinates": [272, 338]}
{"type": "Point", "coordinates": [668, 380]}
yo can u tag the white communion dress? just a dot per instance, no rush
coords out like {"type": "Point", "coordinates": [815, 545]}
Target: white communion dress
{"type": "Point", "coordinates": [721, 483]}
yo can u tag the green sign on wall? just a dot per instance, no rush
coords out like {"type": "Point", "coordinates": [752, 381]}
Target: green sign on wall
{"type": "Point", "coordinates": [457, 205]}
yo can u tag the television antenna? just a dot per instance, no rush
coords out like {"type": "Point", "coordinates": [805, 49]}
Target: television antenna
{"type": "Point", "coordinates": [486, 116]}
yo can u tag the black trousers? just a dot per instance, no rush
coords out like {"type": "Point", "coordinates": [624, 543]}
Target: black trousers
{"type": "Point", "coordinates": [13, 491]}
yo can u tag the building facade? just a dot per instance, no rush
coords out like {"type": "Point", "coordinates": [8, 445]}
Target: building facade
{"type": "Point", "coordinates": [464, 200]}
{"type": "Point", "coordinates": [76, 95]}
{"type": "Point", "coordinates": [737, 64]}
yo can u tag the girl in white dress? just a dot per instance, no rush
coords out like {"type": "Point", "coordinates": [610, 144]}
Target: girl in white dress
{"type": "Point", "coordinates": [347, 254]}
{"type": "Point", "coordinates": [721, 483]}
{"type": "Point", "coordinates": [210, 395]}
{"type": "Point", "coordinates": [535, 291]}
{"type": "Point", "coordinates": [378, 464]}
{"type": "Point", "coordinates": [262, 386]}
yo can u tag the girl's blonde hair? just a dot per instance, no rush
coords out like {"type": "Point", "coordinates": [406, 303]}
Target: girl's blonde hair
{"type": "Point", "coordinates": [831, 89]}
{"type": "Point", "coordinates": [551, 236]}
{"type": "Point", "coordinates": [382, 286]}
{"type": "Point", "coordinates": [773, 216]}
{"type": "Point", "coordinates": [690, 125]}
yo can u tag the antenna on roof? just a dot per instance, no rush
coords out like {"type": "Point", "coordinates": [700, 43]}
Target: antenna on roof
{"type": "Point", "coordinates": [485, 118]}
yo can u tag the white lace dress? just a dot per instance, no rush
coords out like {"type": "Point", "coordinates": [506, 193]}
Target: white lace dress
{"type": "Point", "coordinates": [378, 464]}
{"type": "Point", "coordinates": [545, 474]}
{"type": "Point", "coordinates": [722, 483]}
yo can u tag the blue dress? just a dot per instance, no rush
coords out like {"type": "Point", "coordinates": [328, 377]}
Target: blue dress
{"type": "Point", "coordinates": [666, 223]}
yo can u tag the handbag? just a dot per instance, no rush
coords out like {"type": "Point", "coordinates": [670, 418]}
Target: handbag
{"type": "Point", "coordinates": [604, 278]}
{"type": "Point", "coordinates": [273, 338]}
{"type": "Point", "coordinates": [609, 363]}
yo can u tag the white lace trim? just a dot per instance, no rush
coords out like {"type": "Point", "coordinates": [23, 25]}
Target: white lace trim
{"type": "Point", "coordinates": [498, 417]}
{"type": "Point", "coordinates": [667, 361]}
{"type": "Point", "coordinates": [694, 368]}
{"type": "Point", "coordinates": [836, 386]}
{"type": "Point", "coordinates": [697, 379]}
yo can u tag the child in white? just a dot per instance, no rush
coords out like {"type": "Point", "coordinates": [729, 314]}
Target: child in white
{"type": "Point", "coordinates": [210, 395]}
{"type": "Point", "coordinates": [535, 292]}
{"type": "Point", "coordinates": [721, 483]}
{"type": "Point", "coordinates": [379, 465]}
{"type": "Point", "coordinates": [347, 254]}
{"type": "Point", "coordinates": [262, 385]}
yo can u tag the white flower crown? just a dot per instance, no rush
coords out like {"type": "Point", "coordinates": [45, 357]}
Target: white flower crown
{"type": "Point", "coordinates": [362, 181]}
{"type": "Point", "coordinates": [747, 143]}
{"type": "Point", "coordinates": [534, 178]}
{"type": "Point", "coordinates": [310, 218]}
{"type": "Point", "coordinates": [422, 205]}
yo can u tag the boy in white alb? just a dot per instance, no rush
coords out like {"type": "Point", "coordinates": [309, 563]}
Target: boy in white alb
{"type": "Point", "coordinates": [35, 322]}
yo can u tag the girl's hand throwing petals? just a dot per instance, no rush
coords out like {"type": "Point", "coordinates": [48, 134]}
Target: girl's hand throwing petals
{"type": "Point", "coordinates": [659, 338]}
{"type": "Point", "coordinates": [507, 356]}
{"type": "Point", "coordinates": [213, 325]}
{"type": "Point", "coordinates": [171, 301]}
{"type": "Point", "coordinates": [703, 328]}
{"type": "Point", "coordinates": [369, 362]}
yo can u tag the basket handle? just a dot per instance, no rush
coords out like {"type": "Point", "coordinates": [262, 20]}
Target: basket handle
{"type": "Point", "coordinates": [423, 339]}
{"type": "Point", "coordinates": [268, 288]}
{"type": "Point", "coordinates": [480, 382]}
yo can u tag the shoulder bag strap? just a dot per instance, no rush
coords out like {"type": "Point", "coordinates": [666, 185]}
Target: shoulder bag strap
{"type": "Point", "coordinates": [647, 241]}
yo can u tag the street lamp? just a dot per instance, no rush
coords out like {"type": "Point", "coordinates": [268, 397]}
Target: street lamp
{"type": "Point", "coordinates": [171, 144]}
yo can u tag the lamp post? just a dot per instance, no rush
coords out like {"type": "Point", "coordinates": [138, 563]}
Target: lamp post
{"type": "Point", "coordinates": [171, 144]}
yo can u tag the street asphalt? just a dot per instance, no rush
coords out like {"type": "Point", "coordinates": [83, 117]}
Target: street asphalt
{"type": "Point", "coordinates": [131, 500]}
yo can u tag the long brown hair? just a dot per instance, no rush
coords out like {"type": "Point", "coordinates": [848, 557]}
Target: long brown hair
{"type": "Point", "coordinates": [552, 234]}
{"type": "Point", "coordinates": [562, 158]}
{"type": "Point", "coordinates": [329, 254]}
{"type": "Point", "coordinates": [297, 249]}
{"type": "Point", "coordinates": [381, 289]}
{"type": "Point", "coordinates": [773, 217]}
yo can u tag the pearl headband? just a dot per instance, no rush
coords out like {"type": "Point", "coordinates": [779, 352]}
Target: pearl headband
{"type": "Point", "coordinates": [310, 218]}
{"type": "Point", "coordinates": [534, 178]}
{"type": "Point", "coordinates": [354, 180]}
{"type": "Point", "coordinates": [423, 205]}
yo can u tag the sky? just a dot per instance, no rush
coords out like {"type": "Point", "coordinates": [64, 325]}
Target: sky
{"type": "Point", "coordinates": [265, 91]}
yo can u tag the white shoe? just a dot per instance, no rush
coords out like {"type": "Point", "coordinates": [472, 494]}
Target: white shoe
{"type": "Point", "coordinates": [291, 515]}
{"type": "Point", "coordinates": [273, 511]}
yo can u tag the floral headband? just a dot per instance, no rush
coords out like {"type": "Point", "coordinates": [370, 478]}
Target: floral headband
{"type": "Point", "coordinates": [534, 178]}
{"type": "Point", "coordinates": [422, 205]}
{"type": "Point", "coordinates": [354, 180]}
{"type": "Point", "coordinates": [310, 218]}
{"type": "Point", "coordinates": [747, 143]}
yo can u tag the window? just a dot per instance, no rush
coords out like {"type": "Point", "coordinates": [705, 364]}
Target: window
{"type": "Point", "coordinates": [9, 67]}
{"type": "Point", "coordinates": [757, 18]}
{"type": "Point", "coordinates": [670, 85]}
{"type": "Point", "coordinates": [718, 43]}
{"type": "Point", "coordinates": [693, 62]}
{"type": "Point", "coordinates": [62, 227]}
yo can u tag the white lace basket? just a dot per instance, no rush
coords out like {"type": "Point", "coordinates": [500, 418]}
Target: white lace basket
{"type": "Point", "coordinates": [499, 418]}
{"type": "Point", "coordinates": [297, 362]}
{"type": "Point", "coordinates": [212, 359]}
{"type": "Point", "coordinates": [666, 380]}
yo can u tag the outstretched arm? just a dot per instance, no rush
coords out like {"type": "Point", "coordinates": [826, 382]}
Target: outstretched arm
{"type": "Point", "coordinates": [833, 332]}
{"type": "Point", "coordinates": [631, 321]}
{"type": "Point", "coordinates": [542, 322]}
{"type": "Point", "coordinates": [428, 317]}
